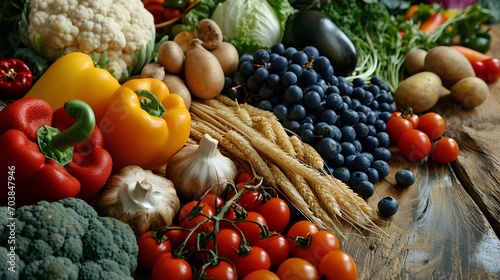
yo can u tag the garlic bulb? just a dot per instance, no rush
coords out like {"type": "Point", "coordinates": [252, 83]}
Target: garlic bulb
{"type": "Point", "coordinates": [199, 169]}
{"type": "Point", "coordinates": [140, 198]}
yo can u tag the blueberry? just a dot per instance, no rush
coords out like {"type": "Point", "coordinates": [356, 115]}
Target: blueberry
{"type": "Point", "coordinates": [382, 167]}
{"type": "Point", "coordinates": [343, 174]}
{"type": "Point", "coordinates": [361, 162]}
{"type": "Point", "coordinates": [365, 189]}
{"type": "Point", "coordinates": [382, 153]}
{"type": "Point", "coordinates": [387, 206]}
{"type": "Point", "coordinates": [328, 148]}
{"type": "Point", "coordinates": [372, 174]}
{"type": "Point", "coordinates": [405, 178]}
{"type": "Point", "coordinates": [356, 178]}
{"type": "Point", "coordinates": [296, 113]}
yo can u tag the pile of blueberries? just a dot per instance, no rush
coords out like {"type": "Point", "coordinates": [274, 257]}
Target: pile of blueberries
{"type": "Point", "coordinates": [345, 121]}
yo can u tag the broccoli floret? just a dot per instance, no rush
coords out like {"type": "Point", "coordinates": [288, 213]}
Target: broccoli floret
{"type": "Point", "coordinates": [51, 268]}
{"type": "Point", "coordinates": [69, 233]}
{"type": "Point", "coordinates": [103, 269]}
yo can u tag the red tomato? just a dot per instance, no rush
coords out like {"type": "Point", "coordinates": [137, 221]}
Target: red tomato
{"type": "Point", "coordinates": [221, 271]}
{"type": "Point", "coordinates": [244, 177]}
{"type": "Point", "coordinates": [228, 243]}
{"type": "Point", "coordinates": [301, 228]}
{"type": "Point", "coordinates": [157, 11]}
{"type": "Point", "coordinates": [488, 69]}
{"type": "Point", "coordinates": [276, 247]}
{"type": "Point", "coordinates": [276, 212]}
{"type": "Point", "coordinates": [492, 68]}
{"type": "Point", "coordinates": [175, 235]}
{"type": "Point", "coordinates": [171, 13]}
{"type": "Point", "coordinates": [195, 212]}
{"type": "Point", "coordinates": [337, 265]}
{"type": "Point", "coordinates": [414, 145]}
{"type": "Point", "coordinates": [432, 124]}
{"type": "Point", "coordinates": [445, 150]}
{"type": "Point", "coordinates": [250, 199]}
{"type": "Point", "coordinates": [150, 249]}
{"type": "Point", "coordinates": [250, 227]}
{"type": "Point", "coordinates": [149, 2]}
{"type": "Point", "coordinates": [168, 267]}
{"type": "Point", "coordinates": [396, 126]}
{"type": "Point", "coordinates": [297, 268]}
{"type": "Point", "coordinates": [262, 275]}
{"type": "Point", "coordinates": [322, 242]}
{"type": "Point", "coordinates": [257, 259]}
{"type": "Point", "coordinates": [408, 114]}
{"type": "Point", "coordinates": [213, 201]}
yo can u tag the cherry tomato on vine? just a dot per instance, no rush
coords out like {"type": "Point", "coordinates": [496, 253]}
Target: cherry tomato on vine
{"type": "Point", "coordinates": [262, 275]}
{"type": "Point", "coordinates": [251, 199]}
{"type": "Point", "coordinates": [413, 118]}
{"type": "Point", "coordinates": [414, 145]}
{"type": "Point", "coordinates": [276, 247]}
{"type": "Point", "coordinates": [337, 265]}
{"type": "Point", "coordinates": [322, 242]}
{"type": "Point", "coordinates": [276, 213]}
{"type": "Point", "coordinates": [213, 201]}
{"type": "Point", "coordinates": [256, 259]}
{"type": "Point", "coordinates": [432, 124]}
{"type": "Point", "coordinates": [228, 243]}
{"type": "Point", "coordinates": [221, 271]}
{"type": "Point", "coordinates": [251, 225]}
{"type": "Point", "coordinates": [445, 150]}
{"type": "Point", "coordinates": [189, 219]}
{"type": "Point", "coordinates": [175, 235]}
{"type": "Point", "coordinates": [244, 177]}
{"type": "Point", "coordinates": [300, 228]}
{"type": "Point", "coordinates": [168, 267]}
{"type": "Point", "coordinates": [297, 268]}
{"type": "Point", "coordinates": [150, 248]}
{"type": "Point", "coordinates": [396, 126]}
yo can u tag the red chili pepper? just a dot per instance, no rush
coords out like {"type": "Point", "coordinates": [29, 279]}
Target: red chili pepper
{"type": "Point", "coordinates": [488, 69]}
{"type": "Point", "coordinates": [15, 78]}
{"type": "Point", "coordinates": [47, 162]}
{"type": "Point", "coordinates": [433, 23]}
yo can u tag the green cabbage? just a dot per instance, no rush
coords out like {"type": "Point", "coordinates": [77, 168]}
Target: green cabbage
{"type": "Point", "coordinates": [252, 24]}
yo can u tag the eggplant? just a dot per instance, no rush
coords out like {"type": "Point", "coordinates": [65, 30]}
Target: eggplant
{"type": "Point", "coordinates": [313, 28]}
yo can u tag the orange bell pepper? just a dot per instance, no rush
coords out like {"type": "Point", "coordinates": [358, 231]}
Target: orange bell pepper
{"type": "Point", "coordinates": [73, 76]}
{"type": "Point", "coordinates": [144, 124]}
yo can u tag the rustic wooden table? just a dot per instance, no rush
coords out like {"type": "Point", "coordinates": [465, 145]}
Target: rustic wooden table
{"type": "Point", "coordinates": [448, 223]}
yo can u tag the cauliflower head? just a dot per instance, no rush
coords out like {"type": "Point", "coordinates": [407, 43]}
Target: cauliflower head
{"type": "Point", "coordinates": [119, 35]}
{"type": "Point", "coordinates": [65, 239]}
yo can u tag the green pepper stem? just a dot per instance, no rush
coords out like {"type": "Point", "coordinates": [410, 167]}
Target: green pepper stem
{"type": "Point", "coordinates": [151, 104]}
{"type": "Point", "coordinates": [58, 145]}
{"type": "Point", "coordinates": [81, 130]}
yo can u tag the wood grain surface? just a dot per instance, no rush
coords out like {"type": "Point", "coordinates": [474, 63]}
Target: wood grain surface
{"type": "Point", "coordinates": [448, 223]}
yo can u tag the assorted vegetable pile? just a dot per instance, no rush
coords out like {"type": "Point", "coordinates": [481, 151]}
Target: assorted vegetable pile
{"type": "Point", "coordinates": [221, 139]}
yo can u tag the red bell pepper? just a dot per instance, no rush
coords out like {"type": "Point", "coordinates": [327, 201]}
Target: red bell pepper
{"type": "Point", "coordinates": [47, 155]}
{"type": "Point", "coordinates": [15, 78]}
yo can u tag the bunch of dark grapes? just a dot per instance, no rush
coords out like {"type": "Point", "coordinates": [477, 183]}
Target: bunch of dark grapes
{"type": "Point", "coordinates": [343, 120]}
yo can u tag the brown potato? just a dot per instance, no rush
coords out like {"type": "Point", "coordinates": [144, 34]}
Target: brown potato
{"type": "Point", "coordinates": [420, 92]}
{"type": "Point", "coordinates": [177, 85]}
{"type": "Point", "coordinates": [228, 57]}
{"type": "Point", "coordinates": [470, 92]}
{"type": "Point", "coordinates": [449, 64]}
{"type": "Point", "coordinates": [171, 56]}
{"type": "Point", "coordinates": [414, 61]}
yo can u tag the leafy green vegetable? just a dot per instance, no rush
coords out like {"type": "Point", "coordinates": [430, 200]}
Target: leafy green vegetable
{"type": "Point", "coordinates": [10, 15]}
{"type": "Point", "coordinates": [252, 24]}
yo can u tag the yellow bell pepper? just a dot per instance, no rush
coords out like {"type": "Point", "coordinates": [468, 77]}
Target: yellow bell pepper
{"type": "Point", "coordinates": [73, 76]}
{"type": "Point", "coordinates": [145, 124]}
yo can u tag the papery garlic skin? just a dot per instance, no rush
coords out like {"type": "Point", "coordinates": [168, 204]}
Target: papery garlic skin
{"type": "Point", "coordinates": [199, 169]}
